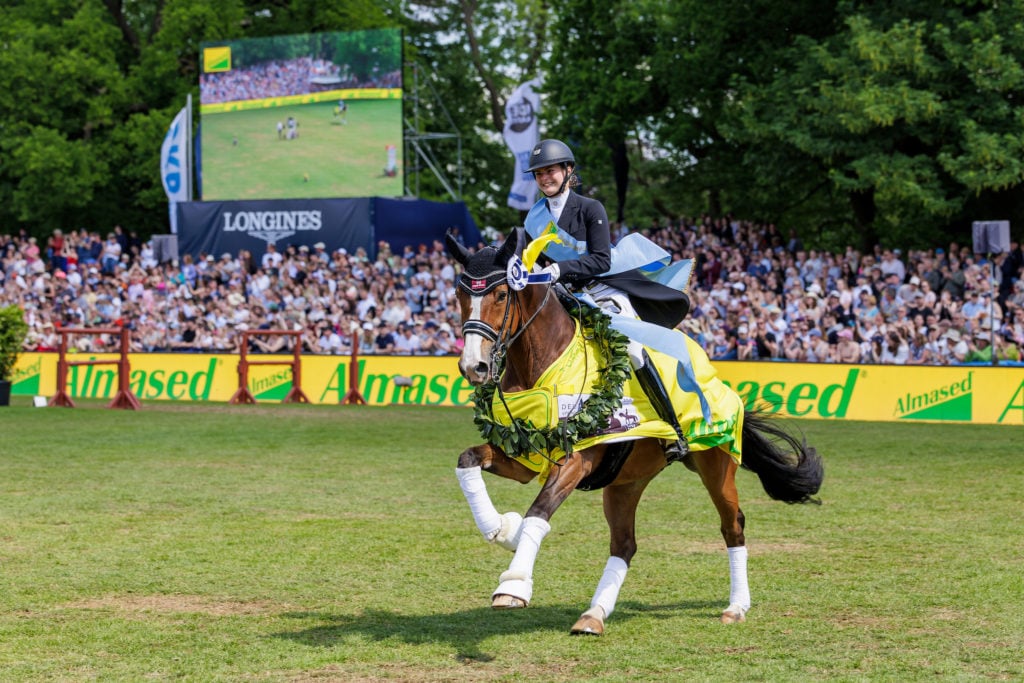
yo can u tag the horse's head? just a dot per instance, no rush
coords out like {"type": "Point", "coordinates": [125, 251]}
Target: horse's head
{"type": "Point", "coordinates": [493, 313]}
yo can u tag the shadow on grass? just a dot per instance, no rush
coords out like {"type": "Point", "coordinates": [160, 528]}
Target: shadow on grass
{"type": "Point", "coordinates": [465, 630]}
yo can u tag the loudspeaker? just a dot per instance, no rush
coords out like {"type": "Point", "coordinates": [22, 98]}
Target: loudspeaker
{"type": "Point", "coordinates": [991, 237]}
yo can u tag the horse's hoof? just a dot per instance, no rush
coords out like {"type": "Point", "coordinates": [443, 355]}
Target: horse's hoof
{"type": "Point", "coordinates": [587, 626]}
{"type": "Point", "coordinates": [502, 601]}
{"type": "Point", "coordinates": [734, 615]}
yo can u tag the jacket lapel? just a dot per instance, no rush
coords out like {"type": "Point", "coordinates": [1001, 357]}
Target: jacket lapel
{"type": "Point", "coordinates": [568, 217]}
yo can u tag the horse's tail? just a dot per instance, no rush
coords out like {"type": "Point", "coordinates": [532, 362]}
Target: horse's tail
{"type": "Point", "coordinates": [789, 469]}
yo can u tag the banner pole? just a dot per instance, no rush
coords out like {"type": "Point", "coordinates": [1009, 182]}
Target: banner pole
{"type": "Point", "coordinates": [992, 308]}
{"type": "Point", "coordinates": [188, 145]}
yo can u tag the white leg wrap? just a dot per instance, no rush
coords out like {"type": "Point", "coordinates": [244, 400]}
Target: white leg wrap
{"type": "Point", "coordinates": [518, 580]}
{"type": "Point", "coordinates": [486, 516]}
{"type": "Point", "coordinates": [739, 590]}
{"type": "Point", "coordinates": [608, 587]}
{"type": "Point", "coordinates": [511, 531]}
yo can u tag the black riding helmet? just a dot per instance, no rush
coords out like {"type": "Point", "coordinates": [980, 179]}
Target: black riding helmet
{"type": "Point", "coordinates": [550, 153]}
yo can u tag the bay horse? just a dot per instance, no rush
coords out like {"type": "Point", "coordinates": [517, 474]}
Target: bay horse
{"type": "Point", "coordinates": [513, 336]}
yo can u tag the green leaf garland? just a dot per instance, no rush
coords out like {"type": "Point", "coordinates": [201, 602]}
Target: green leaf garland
{"type": "Point", "coordinates": [521, 438]}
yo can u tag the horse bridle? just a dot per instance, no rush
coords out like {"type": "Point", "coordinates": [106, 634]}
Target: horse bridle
{"type": "Point", "coordinates": [502, 338]}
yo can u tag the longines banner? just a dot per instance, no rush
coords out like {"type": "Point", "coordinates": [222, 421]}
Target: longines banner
{"type": "Point", "coordinates": [226, 227]}
{"type": "Point", "coordinates": [215, 228]}
{"type": "Point", "coordinates": [965, 394]}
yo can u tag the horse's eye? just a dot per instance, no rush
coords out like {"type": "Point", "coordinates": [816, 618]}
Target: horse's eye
{"type": "Point", "coordinates": [501, 296]}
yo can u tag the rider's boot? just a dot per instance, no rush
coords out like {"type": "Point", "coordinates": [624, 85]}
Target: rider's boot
{"type": "Point", "coordinates": [650, 382]}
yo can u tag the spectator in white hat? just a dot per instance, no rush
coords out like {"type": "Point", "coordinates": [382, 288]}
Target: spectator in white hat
{"type": "Point", "coordinates": [954, 348]}
{"type": "Point", "coordinates": [367, 340]}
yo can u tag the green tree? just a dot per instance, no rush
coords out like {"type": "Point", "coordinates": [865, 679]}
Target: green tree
{"type": "Point", "coordinates": [853, 121]}
{"type": "Point", "coordinates": [715, 48]}
{"type": "Point", "coordinates": [651, 102]}
{"type": "Point", "coordinates": [601, 86]}
{"type": "Point", "coordinates": [913, 111]}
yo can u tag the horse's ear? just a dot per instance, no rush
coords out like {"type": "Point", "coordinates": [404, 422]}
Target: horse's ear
{"type": "Point", "coordinates": [511, 246]}
{"type": "Point", "coordinates": [521, 240]}
{"type": "Point", "coordinates": [457, 251]}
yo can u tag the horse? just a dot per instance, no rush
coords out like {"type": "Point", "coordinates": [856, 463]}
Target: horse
{"type": "Point", "coordinates": [515, 333]}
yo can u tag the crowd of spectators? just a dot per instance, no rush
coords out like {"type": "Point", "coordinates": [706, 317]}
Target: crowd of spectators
{"type": "Point", "coordinates": [759, 295]}
{"type": "Point", "coordinates": [284, 77]}
{"type": "Point", "coordinates": [397, 303]}
{"type": "Point", "coordinates": [756, 296]}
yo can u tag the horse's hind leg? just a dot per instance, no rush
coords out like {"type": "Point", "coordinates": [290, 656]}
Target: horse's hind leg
{"type": "Point", "coordinates": [717, 470]}
{"type": "Point", "coordinates": [620, 504]}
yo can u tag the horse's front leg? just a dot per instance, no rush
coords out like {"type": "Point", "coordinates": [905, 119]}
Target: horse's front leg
{"type": "Point", "coordinates": [516, 587]}
{"type": "Point", "coordinates": [503, 529]}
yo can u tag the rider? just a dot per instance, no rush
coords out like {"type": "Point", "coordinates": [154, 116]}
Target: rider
{"type": "Point", "coordinates": [629, 293]}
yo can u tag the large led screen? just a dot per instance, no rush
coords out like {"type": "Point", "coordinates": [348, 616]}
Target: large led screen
{"type": "Point", "coordinates": [311, 115]}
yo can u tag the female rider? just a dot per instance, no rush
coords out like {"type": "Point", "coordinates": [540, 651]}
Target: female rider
{"type": "Point", "coordinates": [629, 293]}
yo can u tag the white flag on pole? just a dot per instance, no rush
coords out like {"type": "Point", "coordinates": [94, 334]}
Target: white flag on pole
{"type": "Point", "coordinates": [173, 164]}
{"type": "Point", "coordinates": [521, 135]}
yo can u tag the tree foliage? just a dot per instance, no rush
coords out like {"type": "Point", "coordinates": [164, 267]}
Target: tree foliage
{"type": "Point", "coordinates": [470, 55]}
{"type": "Point", "coordinates": [851, 120]}
{"type": "Point", "coordinates": [913, 109]}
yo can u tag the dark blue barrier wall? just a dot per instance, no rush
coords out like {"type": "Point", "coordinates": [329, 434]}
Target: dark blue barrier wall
{"type": "Point", "coordinates": [402, 222]}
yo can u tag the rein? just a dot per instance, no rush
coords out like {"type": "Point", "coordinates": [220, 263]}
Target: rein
{"type": "Point", "coordinates": [500, 349]}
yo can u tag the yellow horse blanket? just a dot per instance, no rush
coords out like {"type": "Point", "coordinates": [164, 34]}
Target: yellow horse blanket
{"type": "Point", "coordinates": [559, 394]}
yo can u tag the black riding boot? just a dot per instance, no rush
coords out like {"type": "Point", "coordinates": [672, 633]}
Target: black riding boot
{"type": "Point", "coordinates": [652, 385]}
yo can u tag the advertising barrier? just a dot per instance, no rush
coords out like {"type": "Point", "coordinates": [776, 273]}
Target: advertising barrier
{"type": "Point", "coordinates": [965, 394]}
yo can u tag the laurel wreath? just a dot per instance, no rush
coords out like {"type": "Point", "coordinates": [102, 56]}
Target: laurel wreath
{"type": "Point", "coordinates": [521, 437]}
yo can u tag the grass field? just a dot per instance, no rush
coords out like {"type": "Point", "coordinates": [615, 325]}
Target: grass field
{"type": "Point", "coordinates": [244, 159]}
{"type": "Point", "coordinates": [297, 543]}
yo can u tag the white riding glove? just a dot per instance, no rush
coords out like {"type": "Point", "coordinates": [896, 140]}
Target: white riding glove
{"type": "Point", "coordinates": [553, 270]}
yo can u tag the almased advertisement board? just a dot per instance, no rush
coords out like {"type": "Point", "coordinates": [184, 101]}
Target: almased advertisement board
{"type": "Point", "coordinates": [882, 392]}
{"type": "Point", "coordinates": [209, 377]}
{"type": "Point", "coordinates": [967, 394]}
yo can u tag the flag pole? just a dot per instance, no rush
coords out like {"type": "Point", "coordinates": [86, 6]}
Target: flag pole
{"type": "Point", "coordinates": [188, 145]}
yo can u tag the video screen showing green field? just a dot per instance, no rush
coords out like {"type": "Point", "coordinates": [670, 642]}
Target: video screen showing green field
{"type": "Point", "coordinates": [312, 115]}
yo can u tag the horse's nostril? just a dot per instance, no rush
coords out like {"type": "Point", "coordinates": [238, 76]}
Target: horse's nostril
{"type": "Point", "coordinates": [481, 368]}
